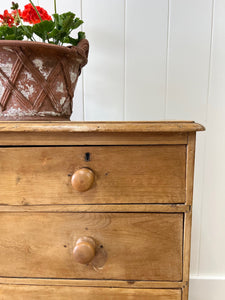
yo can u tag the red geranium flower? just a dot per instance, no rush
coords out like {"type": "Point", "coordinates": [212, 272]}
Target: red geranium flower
{"type": "Point", "coordinates": [14, 13]}
{"type": "Point", "coordinates": [15, 16]}
{"type": "Point", "coordinates": [7, 18]}
{"type": "Point", "coordinates": [29, 14]}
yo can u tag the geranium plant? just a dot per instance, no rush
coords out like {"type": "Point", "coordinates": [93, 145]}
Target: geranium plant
{"type": "Point", "coordinates": [55, 29]}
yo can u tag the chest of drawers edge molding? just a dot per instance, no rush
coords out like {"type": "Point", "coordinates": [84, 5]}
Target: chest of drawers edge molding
{"type": "Point", "coordinates": [14, 134]}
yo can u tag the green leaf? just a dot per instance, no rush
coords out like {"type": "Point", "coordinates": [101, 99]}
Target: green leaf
{"type": "Point", "coordinates": [81, 35]}
{"type": "Point", "coordinates": [67, 14]}
{"type": "Point", "coordinates": [10, 37]}
{"type": "Point", "coordinates": [72, 41]}
{"type": "Point", "coordinates": [53, 33]}
{"type": "Point", "coordinates": [43, 28]}
{"type": "Point", "coordinates": [10, 33]}
{"type": "Point", "coordinates": [77, 22]}
{"type": "Point", "coordinates": [64, 25]}
{"type": "Point", "coordinates": [26, 31]}
{"type": "Point", "coordinates": [57, 21]}
{"type": "Point", "coordinates": [67, 21]}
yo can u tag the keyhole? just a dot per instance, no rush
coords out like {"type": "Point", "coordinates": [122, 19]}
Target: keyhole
{"type": "Point", "coordinates": [87, 156]}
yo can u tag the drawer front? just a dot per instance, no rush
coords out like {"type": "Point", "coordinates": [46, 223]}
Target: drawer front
{"type": "Point", "coordinates": [88, 293]}
{"type": "Point", "coordinates": [121, 174]}
{"type": "Point", "coordinates": [129, 246]}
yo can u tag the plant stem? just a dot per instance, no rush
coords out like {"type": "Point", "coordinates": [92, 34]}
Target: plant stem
{"type": "Point", "coordinates": [55, 6]}
{"type": "Point", "coordinates": [36, 10]}
{"type": "Point", "coordinates": [24, 28]}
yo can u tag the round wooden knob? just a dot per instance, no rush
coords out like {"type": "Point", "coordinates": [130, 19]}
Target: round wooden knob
{"type": "Point", "coordinates": [82, 179]}
{"type": "Point", "coordinates": [84, 251]}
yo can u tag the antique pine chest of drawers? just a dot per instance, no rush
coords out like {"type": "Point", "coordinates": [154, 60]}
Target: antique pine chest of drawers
{"type": "Point", "coordinates": [96, 210]}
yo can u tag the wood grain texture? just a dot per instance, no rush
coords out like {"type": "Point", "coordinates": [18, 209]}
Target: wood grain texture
{"type": "Point", "coordinates": [142, 228]}
{"type": "Point", "coordinates": [83, 179]}
{"type": "Point", "coordinates": [84, 250]}
{"type": "Point", "coordinates": [137, 174]}
{"type": "Point", "coordinates": [137, 246]}
{"type": "Point", "coordinates": [185, 292]}
{"type": "Point", "coordinates": [94, 283]}
{"type": "Point", "coordinates": [187, 246]}
{"type": "Point", "coordinates": [170, 208]}
{"type": "Point", "coordinates": [53, 127]}
{"type": "Point", "coordinates": [56, 292]}
{"type": "Point", "coordinates": [190, 168]}
{"type": "Point", "coordinates": [95, 138]}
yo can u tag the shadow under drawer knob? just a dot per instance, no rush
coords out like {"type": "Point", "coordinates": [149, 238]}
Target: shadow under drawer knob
{"type": "Point", "coordinates": [82, 179]}
{"type": "Point", "coordinates": [84, 250]}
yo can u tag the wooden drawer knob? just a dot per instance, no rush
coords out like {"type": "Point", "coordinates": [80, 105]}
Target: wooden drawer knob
{"type": "Point", "coordinates": [82, 179]}
{"type": "Point", "coordinates": [84, 250]}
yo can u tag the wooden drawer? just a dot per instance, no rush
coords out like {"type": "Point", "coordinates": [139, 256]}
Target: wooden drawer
{"type": "Point", "coordinates": [88, 293]}
{"type": "Point", "coordinates": [130, 246]}
{"type": "Point", "coordinates": [123, 174]}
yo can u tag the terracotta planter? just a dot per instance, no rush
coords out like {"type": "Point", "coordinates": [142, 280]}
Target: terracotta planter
{"type": "Point", "coordinates": [37, 80]}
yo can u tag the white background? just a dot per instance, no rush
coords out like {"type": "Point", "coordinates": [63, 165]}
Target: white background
{"type": "Point", "coordinates": [164, 60]}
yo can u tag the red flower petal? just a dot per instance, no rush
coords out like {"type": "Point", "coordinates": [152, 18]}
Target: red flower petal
{"type": "Point", "coordinates": [29, 14]}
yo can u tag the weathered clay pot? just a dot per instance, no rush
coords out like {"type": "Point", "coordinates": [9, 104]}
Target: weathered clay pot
{"type": "Point", "coordinates": [37, 80]}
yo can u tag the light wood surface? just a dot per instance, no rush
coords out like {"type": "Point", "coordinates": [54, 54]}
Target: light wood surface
{"type": "Point", "coordinates": [84, 250]}
{"type": "Point", "coordinates": [187, 245]}
{"type": "Point", "coordinates": [137, 209]}
{"type": "Point", "coordinates": [66, 292]}
{"type": "Point", "coordinates": [115, 127]}
{"type": "Point", "coordinates": [96, 282]}
{"type": "Point", "coordinates": [190, 168]}
{"type": "Point", "coordinates": [171, 208]}
{"type": "Point", "coordinates": [125, 174]}
{"type": "Point", "coordinates": [92, 138]}
{"type": "Point", "coordinates": [83, 179]}
{"type": "Point", "coordinates": [134, 246]}
{"type": "Point", "coordinates": [185, 292]}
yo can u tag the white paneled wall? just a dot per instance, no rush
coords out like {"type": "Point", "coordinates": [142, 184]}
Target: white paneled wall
{"type": "Point", "coordinates": [212, 246]}
{"type": "Point", "coordinates": [187, 85]}
{"type": "Point", "coordinates": [156, 60]}
{"type": "Point", "coordinates": [104, 79]}
{"type": "Point", "coordinates": [146, 26]}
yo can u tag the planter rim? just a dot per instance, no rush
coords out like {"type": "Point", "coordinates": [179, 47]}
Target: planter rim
{"type": "Point", "coordinates": [83, 45]}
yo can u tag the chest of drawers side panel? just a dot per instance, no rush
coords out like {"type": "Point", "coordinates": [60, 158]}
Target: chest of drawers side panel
{"type": "Point", "coordinates": [188, 215]}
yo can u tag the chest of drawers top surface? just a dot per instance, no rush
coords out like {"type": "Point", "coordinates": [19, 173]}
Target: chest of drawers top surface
{"type": "Point", "coordinates": [118, 127]}
{"type": "Point", "coordinates": [148, 164]}
{"type": "Point", "coordinates": [136, 207]}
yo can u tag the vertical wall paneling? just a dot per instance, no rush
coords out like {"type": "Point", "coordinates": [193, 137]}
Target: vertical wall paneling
{"type": "Point", "coordinates": [75, 7]}
{"type": "Point", "coordinates": [188, 59]}
{"type": "Point", "coordinates": [187, 84]}
{"type": "Point", "coordinates": [104, 75]}
{"type": "Point", "coordinates": [162, 59]}
{"type": "Point", "coordinates": [212, 258]}
{"type": "Point", "coordinates": [146, 48]}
